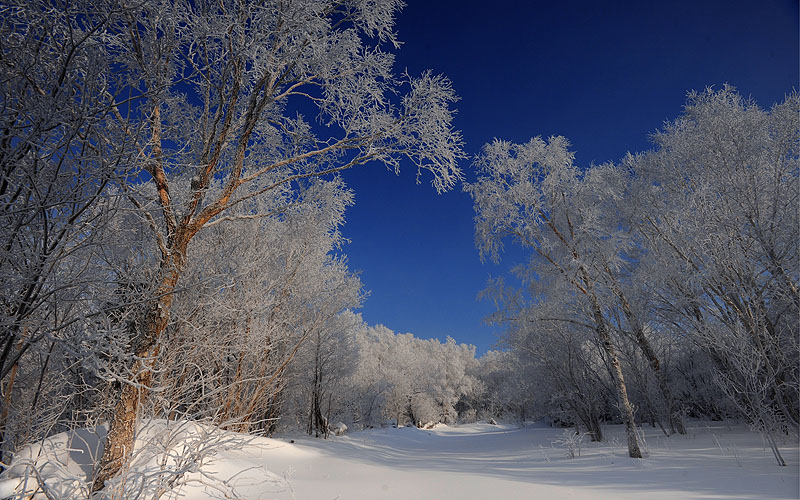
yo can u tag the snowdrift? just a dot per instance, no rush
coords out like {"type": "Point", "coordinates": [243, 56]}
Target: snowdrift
{"type": "Point", "coordinates": [169, 458]}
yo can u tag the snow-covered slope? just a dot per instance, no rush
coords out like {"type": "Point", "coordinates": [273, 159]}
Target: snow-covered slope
{"type": "Point", "coordinates": [476, 461]}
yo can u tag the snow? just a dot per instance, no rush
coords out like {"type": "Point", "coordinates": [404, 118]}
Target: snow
{"type": "Point", "coordinates": [474, 461]}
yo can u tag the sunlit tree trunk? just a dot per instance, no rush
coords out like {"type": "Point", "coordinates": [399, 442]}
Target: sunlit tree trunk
{"type": "Point", "coordinates": [120, 440]}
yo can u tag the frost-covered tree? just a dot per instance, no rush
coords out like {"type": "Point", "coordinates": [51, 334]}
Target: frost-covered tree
{"type": "Point", "coordinates": [319, 375]}
{"type": "Point", "coordinates": [216, 94]}
{"type": "Point", "coordinates": [368, 383]}
{"type": "Point", "coordinates": [509, 387]}
{"type": "Point", "coordinates": [721, 188]}
{"type": "Point", "coordinates": [534, 194]}
{"type": "Point", "coordinates": [406, 376]}
{"type": "Point", "coordinates": [455, 379]}
{"type": "Point", "coordinates": [58, 150]}
{"type": "Point", "coordinates": [682, 261]}
{"type": "Point", "coordinates": [265, 287]}
{"type": "Point", "coordinates": [571, 383]}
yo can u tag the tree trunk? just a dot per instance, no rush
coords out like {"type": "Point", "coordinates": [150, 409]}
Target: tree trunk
{"type": "Point", "coordinates": [320, 421]}
{"type": "Point", "coordinates": [317, 423]}
{"type": "Point", "coordinates": [120, 439]}
{"type": "Point", "coordinates": [625, 406]}
{"type": "Point", "coordinates": [121, 434]}
{"type": "Point", "coordinates": [4, 413]}
{"type": "Point", "coordinates": [273, 413]}
{"type": "Point", "coordinates": [595, 431]}
{"type": "Point", "coordinates": [590, 420]}
{"type": "Point", "coordinates": [674, 419]}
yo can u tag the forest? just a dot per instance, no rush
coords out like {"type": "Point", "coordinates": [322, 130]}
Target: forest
{"type": "Point", "coordinates": [171, 247]}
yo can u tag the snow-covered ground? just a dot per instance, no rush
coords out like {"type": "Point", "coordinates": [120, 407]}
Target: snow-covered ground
{"type": "Point", "coordinates": [475, 461]}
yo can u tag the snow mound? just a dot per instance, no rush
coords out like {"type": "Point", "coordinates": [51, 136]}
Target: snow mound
{"type": "Point", "coordinates": [168, 457]}
{"type": "Point", "coordinates": [339, 429]}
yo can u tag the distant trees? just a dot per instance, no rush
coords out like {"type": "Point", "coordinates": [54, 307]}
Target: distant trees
{"type": "Point", "coordinates": [508, 387]}
{"type": "Point", "coordinates": [363, 376]}
{"type": "Point", "coordinates": [690, 246]}
{"type": "Point", "coordinates": [409, 380]}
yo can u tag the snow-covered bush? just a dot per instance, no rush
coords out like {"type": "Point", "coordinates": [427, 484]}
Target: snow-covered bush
{"type": "Point", "coordinates": [571, 441]}
{"type": "Point", "coordinates": [168, 456]}
{"type": "Point", "coordinates": [338, 428]}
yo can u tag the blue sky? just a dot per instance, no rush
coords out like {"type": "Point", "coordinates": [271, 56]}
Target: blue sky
{"type": "Point", "coordinates": [603, 74]}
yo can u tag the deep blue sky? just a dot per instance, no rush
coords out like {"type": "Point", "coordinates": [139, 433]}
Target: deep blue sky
{"type": "Point", "coordinates": [603, 74]}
